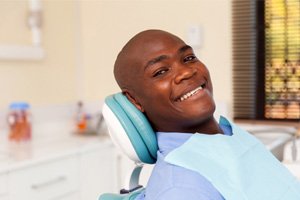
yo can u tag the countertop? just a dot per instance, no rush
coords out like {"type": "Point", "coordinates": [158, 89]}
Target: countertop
{"type": "Point", "coordinates": [16, 155]}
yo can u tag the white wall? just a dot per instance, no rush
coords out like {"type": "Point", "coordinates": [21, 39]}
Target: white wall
{"type": "Point", "coordinates": [48, 81]}
{"type": "Point", "coordinates": [108, 25]}
{"type": "Point", "coordinates": [82, 39]}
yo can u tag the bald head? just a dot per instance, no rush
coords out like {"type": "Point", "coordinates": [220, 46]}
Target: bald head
{"type": "Point", "coordinates": [164, 79]}
{"type": "Point", "coordinates": [130, 59]}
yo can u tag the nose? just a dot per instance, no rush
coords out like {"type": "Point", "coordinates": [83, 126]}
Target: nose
{"type": "Point", "coordinates": [184, 72]}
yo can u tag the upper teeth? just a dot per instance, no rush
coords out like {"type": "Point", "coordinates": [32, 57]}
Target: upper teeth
{"type": "Point", "coordinates": [189, 94]}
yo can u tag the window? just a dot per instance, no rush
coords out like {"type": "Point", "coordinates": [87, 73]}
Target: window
{"type": "Point", "coordinates": [266, 59]}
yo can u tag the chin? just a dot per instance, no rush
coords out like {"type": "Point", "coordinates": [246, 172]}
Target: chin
{"type": "Point", "coordinates": [202, 114]}
{"type": "Point", "coordinates": [207, 112]}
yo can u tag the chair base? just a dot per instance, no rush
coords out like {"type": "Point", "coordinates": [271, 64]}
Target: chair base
{"type": "Point", "coordinates": [128, 196]}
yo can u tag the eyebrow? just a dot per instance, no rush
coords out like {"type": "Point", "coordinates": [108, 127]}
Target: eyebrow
{"type": "Point", "coordinates": [155, 60]}
{"type": "Point", "coordinates": [184, 48]}
{"type": "Point", "coordinates": [163, 57]}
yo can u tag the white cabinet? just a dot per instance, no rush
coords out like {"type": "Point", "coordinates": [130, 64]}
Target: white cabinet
{"type": "Point", "coordinates": [57, 164]}
{"type": "Point", "coordinates": [76, 169]}
{"type": "Point", "coordinates": [3, 186]}
{"type": "Point", "coordinates": [50, 180]}
{"type": "Point", "coordinates": [71, 196]}
{"type": "Point", "coordinates": [98, 172]}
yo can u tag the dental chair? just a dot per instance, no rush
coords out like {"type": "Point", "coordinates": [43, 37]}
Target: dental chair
{"type": "Point", "coordinates": [131, 131]}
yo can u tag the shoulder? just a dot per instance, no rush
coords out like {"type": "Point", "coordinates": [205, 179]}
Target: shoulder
{"type": "Point", "coordinates": [173, 182]}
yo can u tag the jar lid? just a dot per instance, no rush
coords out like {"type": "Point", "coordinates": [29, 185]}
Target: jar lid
{"type": "Point", "coordinates": [19, 105]}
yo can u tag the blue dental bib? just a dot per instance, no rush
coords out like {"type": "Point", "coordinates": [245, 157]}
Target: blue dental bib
{"type": "Point", "coordinates": [239, 166]}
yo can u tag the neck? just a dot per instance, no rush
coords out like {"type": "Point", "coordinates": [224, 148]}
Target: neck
{"type": "Point", "coordinates": [209, 126]}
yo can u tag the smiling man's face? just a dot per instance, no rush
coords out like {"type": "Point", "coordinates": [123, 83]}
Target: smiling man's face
{"type": "Point", "coordinates": [169, 84]}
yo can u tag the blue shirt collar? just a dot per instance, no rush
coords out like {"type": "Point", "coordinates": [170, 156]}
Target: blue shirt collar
{"type": "Point", "coordinates": [167, 141]}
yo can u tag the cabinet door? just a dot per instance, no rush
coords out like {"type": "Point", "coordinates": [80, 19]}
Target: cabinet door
{"type": "Point", "coordinates": [50, 180]}
{"type": "Point", "coordinates": [5, 197]}
{"type": "Point", "coordinates": [97, 172]}
{"type": "Point", "coordinates": [3, 186]}
{"type": "Point", "coordinates": [72, 196]}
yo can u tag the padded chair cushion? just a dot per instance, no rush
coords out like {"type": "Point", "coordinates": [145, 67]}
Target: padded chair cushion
{"type": "Point", "coordinates": [119, 110]}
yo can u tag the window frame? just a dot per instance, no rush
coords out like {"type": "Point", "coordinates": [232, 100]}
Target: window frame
{"type": "Point", "coordinates": [259, 72]}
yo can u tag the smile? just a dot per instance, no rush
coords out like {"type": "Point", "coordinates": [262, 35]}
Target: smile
{"type": "Point", "coordinates": [191, 93]}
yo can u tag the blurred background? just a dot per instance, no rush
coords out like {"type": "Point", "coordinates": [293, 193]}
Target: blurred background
{"type": "Point", "coordinates": [81, 39]}
{"type": "Point", "coordinates": [56, 63]}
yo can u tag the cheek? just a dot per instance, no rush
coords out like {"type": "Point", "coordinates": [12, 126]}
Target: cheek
{"type": "Point", "coordinates": [163, 87]}
{"type": "Point", "coordinates": [156, 96]}
{"type": "Point", "coordinates": [205, 71]}
{"type": "Point", "coordinates": [159, 89]}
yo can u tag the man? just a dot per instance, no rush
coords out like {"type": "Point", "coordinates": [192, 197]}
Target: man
{"type": "Point", "coordinates": [163, 78]}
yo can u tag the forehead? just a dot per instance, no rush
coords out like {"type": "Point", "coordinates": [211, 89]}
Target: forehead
{"type": "Point", "coordinates": [148, 46]}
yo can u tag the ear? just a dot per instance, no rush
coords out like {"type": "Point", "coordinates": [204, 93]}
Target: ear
{"type": "Point", "coordinates": [133, 100]}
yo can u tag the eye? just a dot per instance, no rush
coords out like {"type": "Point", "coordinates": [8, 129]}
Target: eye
{"type": "Point", "coordinates": [190, 58]}
{"type": "Point", "coordinates": [160, 72]}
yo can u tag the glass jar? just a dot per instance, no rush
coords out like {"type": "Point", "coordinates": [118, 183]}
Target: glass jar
{"type": "Point", "coordinates": [19, 121]}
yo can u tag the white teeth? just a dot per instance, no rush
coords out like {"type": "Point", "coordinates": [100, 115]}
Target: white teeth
{"type": "Point", "coordinates": [191, 93]}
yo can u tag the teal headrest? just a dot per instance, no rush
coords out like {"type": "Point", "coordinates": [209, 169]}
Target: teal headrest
{"type": "Point", "coordinates": [123, 118]}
